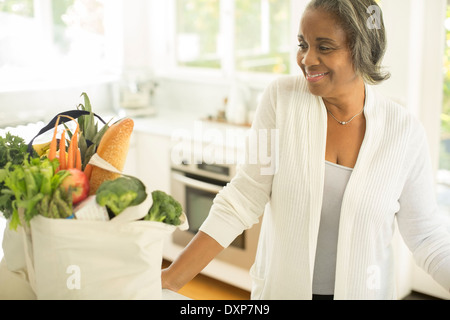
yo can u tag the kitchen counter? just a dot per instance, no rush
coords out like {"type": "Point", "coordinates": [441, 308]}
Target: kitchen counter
{"type": "Point", "coordinates": [170, 295]}
{"type": "Point", "coordinates": [176, 124]}
{"type": "Point", "coordinates": [165, 122]}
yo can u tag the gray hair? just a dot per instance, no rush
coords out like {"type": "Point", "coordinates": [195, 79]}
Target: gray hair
{"type": "Point", "coordinates": [366, 37]}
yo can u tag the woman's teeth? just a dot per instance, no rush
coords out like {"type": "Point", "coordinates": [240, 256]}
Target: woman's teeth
{"type": "Point", "coordinates": [316, 75]}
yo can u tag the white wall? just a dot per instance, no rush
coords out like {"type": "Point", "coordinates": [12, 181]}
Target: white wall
{"type": "Point", "coordinates": [416, 36]}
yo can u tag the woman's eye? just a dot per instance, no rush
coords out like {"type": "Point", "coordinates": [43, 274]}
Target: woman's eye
{"type": "Point", "coordinates": [302, 46]}
{"type": "Point", "coordinates": [322, 48]}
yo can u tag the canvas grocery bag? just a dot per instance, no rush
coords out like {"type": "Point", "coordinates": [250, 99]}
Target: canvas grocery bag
{"type": "Point", "coordinates": [98, 260]}
{"type": "Point", "coordinates": [15, 278]}
{"type": "Point", "coordinates": [114, 260]}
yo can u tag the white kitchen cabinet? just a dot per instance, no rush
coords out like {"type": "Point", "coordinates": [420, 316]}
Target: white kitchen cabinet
{"type": "Point", "coordinates": [153, 160]}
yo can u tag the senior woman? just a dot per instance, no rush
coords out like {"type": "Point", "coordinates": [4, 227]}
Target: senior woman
{"type": "Point", "coordinates": [350, 162]}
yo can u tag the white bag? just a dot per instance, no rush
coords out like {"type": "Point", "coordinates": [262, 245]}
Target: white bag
{"type": "Point", "coordinates": [14, 274]}
{"type": "Point", "coordinates": [115, 260]}
{"type": "Point", "coordinates": [88, 260]}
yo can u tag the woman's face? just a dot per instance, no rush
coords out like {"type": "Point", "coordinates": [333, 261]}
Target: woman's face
{"type": "Point", "coordinates": [324, 55]}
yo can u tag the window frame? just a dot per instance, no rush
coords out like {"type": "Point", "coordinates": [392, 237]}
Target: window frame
{"type": "Point", "coordinates": [169, 69]}
{"type": "Point", "coordinates": [113, 57]}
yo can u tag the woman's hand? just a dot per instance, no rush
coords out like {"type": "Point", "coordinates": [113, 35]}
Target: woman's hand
{"type": "Point", "coordinates": [192, 260]}
{"type": "Point", "coordinates": [166, 281]}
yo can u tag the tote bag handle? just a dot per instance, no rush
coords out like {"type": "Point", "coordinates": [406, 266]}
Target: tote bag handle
{"type": "Point", "coordinates": [64, 117]}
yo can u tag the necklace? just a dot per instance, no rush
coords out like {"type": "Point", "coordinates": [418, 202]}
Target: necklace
{"type": "Point", "coordinates": [345, 122]}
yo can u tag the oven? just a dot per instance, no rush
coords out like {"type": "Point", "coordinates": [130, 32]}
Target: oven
{"type": "Point", "coordinates": [195, 185]}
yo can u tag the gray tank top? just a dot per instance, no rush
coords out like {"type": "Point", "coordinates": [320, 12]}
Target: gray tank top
{"type": "Point", "coordinates": [336, 180]}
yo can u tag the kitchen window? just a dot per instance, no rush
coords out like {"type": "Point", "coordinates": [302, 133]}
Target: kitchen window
{"type": "Point", "coordinates": [250, 36]}
{"type": "Point", "coordinates": [50, 40]}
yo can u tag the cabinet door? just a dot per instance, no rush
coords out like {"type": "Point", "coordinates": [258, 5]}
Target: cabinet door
{"type": "Point", "coordinates": [153, 161]}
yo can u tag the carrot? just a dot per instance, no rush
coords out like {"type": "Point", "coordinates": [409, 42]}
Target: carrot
{"type": "Point", "coordinates": [54, 143]}
{"type": "Point", "coordinates": [73, 147]}
{"type": "Point", "coordinates": [75, 143]}
{"type": "Point", "coordinates": [70, 156]}
{"type": "Point", "coordinates": [62, 151]}
{"type": "Point", "coordinates": [78, 160]}
{"type": "Point", "coordinates": [76, 150]}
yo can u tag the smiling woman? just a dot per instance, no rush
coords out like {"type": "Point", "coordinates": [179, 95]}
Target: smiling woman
{"type": "Point", "coordinates": [373, 162]}
{"type": "Point", "coordinates": [366, 39]}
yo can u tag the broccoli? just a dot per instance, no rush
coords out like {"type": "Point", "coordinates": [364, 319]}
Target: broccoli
{"type": "Point", "coordinates": [121, 193]}
{"type": "Point", "coordinates": [164, 209]}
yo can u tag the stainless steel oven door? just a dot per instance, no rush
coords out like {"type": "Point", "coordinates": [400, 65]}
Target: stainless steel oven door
{"type": "Point", "coordinates": [196, 197]}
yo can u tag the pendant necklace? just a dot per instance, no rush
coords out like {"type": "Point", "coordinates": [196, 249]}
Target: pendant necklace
{"type": "Point", "coordinates": [345, 122]}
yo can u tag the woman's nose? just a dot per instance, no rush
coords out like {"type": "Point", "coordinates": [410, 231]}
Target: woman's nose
{"type": "Point", "coordinates": [309, 58]}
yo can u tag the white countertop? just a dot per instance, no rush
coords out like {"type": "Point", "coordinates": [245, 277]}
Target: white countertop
{"type": "Point", "coordinates": [170, 295]}
{"type": "Point", "coordinates": [165, 122]}
{"type": "Point", "coordinates": [173, 123]}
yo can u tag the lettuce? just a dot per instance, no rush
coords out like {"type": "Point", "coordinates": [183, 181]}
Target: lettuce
{"type": "Point", "coordinates": [13, 149]}
{"type": "Point", "coordinates": [28, 184]}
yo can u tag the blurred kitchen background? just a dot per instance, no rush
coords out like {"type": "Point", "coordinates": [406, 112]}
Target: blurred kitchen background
{"type": "Point", "coordinates": [175, 65]}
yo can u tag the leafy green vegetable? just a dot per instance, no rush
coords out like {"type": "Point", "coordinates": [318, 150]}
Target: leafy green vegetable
{"type": "Point", "coordinates": [57, 206]}
{"type": "Point", "coordinates": [90, 134]}
{"type": "Point", "coordinates": [13, 149]}
{"type": "Point", "coordinates": [31, 185]}
{"type": "Point", "coordinates": [121, 193]}
{"type": "Point", "coordinates": [164, 209]}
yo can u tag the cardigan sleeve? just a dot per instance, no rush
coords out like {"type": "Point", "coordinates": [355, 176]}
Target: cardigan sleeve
{"type": "Point", "coordinates": [422, 227]}
{"type": "Point", "coordinates": [241, 203]}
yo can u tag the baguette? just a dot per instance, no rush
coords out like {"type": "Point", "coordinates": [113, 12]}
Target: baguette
{"type": "Point", "coordinates": [113, 148]}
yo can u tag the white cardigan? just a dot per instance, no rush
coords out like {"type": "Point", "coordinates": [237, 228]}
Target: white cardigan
{"type": "Point", "coordinates": [392, 178]}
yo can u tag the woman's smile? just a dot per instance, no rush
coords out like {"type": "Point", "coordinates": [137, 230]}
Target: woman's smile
{"type": "Point", "coordinates": [315, 76]}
